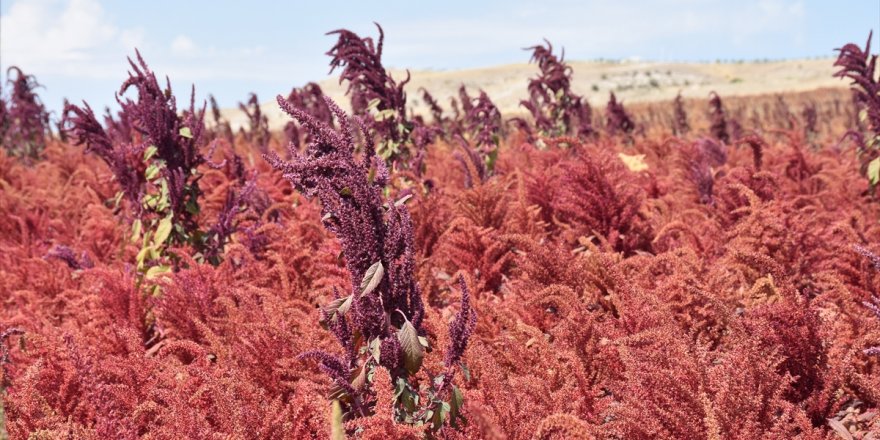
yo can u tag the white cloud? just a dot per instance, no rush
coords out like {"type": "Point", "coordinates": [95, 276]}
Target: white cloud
{"type": "Point", "coordinates": [183, 45]}
{"type": "Point", "coordinates": [590, 27]}
{"type": "Point", "coordinates": [51, 37]}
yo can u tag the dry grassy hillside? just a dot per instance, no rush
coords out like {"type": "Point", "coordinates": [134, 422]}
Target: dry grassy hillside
{"type": "Point", "coordinates": [631, 81]}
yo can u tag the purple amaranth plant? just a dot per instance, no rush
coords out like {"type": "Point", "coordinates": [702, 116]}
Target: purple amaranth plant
{"type": "Point", "coordinates": [4, 352]}
{"type": "Point", "coordinates": [258, 124]}
{"type": "Point", "coordinates": [379, 322]}
{"type": "Point", "coordinates": [757, 144]}
{"type": "Point", "coordinates": [372, 89]}
{"type": "Point", "coordinates": [158, 173]}
{"type": "Point", "coordinates": [811, 120]}
{"type": "Point", "coordinates": [874, 307]}
{"type": "Point", "coordinates": [69, 257]}
{"type": "Point", "coordinates": [24, 121]}
{"type": "Point", "coordinates": [783, 113]}
{"type": "Point", "coordinates": [618, 120]}
{"type": "Point", "coordinates": [874, 304]}
{"type": "Point", "coordinates": [557, 111]}
{"type": "Point", "coordinates": [680, 125]}
{"type": "Point", "coordinates": [124, 159]}
{"type": "Point", "coordinates": [482, 125]}
{"type": "Point", "coordinates": [859, 66]}
{"type": "Point", "coordinates": [434, 107]}
{"type": "Point", "coordinates": [718, 117]}
{"type": "Point", "coordinates": [311, 98]}
{"type": "Point", "coordinates": [472, 163]}
{"type": "Point", "coordinates": [220, 127]}
{"type": "Point", "coordinates": [699, 159]}
{"type": "Point", "coordinates": [467, 102]}
{"type": "Point", "coordinates": [483, 122]}
{"type": "Point", "coordinates": [460, 331]}
{"type": "Point", "coordinates": [119, 128]}
{"type": "Point", "coordinates": [523, 126]}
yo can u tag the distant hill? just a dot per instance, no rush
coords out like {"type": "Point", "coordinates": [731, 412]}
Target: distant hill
{"type": "Point", "coordinates": [631, 81]}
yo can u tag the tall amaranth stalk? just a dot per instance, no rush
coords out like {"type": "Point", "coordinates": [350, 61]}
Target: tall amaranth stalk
{"type": "Point", "coordinates": [859, 66]}
{"type": "Point", "coordinates": [557, 110]}
{"type": "Point", "coordinates": [379, 321]}
{"type": "Point", "coordinates": [374, 92]}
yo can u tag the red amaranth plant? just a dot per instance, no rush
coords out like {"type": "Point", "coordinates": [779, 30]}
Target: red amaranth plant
{"type": "Point", "coordinates": [557, 110]}
{"type": "Point", "coordinates": [379, 323]}
{"type": "Point", "coordinates": [24, 121]}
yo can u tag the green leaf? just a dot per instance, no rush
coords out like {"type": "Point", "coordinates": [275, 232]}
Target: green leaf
{"type": "Point", "coordinates": [376, 349]}
{"type": "Point", "coordinates": [186, 132]}
{"type": "Point", "coordinates": [491, 158]}
{"type": "Point", "coordinates": [117, 199]}
{"type": "Point", "coordinates": [455, 404]}
{"type": "Point", "coordinates": [399, 388]}
{"type": "Point", "coordinates": [466, 372]}
{"type": "Point", "coordinates": [373, 103]}
{"type": "Point", "coordinates": [163, 231]}
{"type": "Point", "coordinates": [338, 306]}
{"type": "Point", "coordinates": [439, 415]}
{"type": "Point", "coordinates": [192, 206]}
{"type": "Point", "coordinates": [150, 152]}
{"type": "Point", "coordinates": [337, 430]}
{"type": "Point", "coordinates": [874, 171]}
{"type": "Point", "coordinates": [372, 278]}
{"type": "Point", "coordinates": [136, 230]}
{"type": "Point", "coordinates": [151, 172]}
{"type": "Point", "coordinates": [403, 200]}
{"type": "Point", "coordinates": [413, 352]}
{"type": "Point", "coordinates": [142, 256]}
{"type": "Point", "coordinates": [155, 271]}
{"type": "Point", "coordinates": [345, 192]}
{"type": "Point", "coordinates": [385, 114]}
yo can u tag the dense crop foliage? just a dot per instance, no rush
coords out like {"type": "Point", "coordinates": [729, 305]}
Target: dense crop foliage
{"type": "Point", "coordinates": [676, 270]}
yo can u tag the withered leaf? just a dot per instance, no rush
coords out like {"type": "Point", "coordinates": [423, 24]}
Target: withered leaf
{"type": "Point", "coordinates": [413, 352]}
{"type": "Point", "coordinates": [372, 278]}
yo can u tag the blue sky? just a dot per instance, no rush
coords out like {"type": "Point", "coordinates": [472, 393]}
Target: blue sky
{"type": "Point", "coordinates": [77, 48]}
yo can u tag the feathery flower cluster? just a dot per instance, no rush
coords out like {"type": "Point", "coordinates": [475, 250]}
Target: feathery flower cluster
{"type": "Point", "coordinates": [311, 98]}
{"type": "Point", "coordinates": [859, 66]}
{"type": "Point", "coordinates": [618, 120]}
{"type": "Point", "coordinates": [371, 87]}
{"type": "Point", "coordinates": [380, 322]}
{"type": "Point", "coordinates": [258, 124]}
{"type": "Point", "coordinates": [719, 119]}
{"type": "Point", "coordinates": [24, 121]}
{"type": "Point", "coordinates": [680, 125]}
{"type": "Point", "coordinates": [557, 110]}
